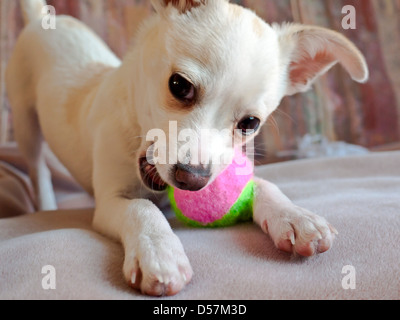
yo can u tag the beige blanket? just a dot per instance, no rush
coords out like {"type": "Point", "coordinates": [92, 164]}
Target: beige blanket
{"type": "Point", "coordinates": [359, 195]}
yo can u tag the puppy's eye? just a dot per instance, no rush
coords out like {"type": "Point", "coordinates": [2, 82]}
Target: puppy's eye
{"type": "Point", "coordinates": [249, 125]}
{"type": "Point", "coordinates": [181, 88]}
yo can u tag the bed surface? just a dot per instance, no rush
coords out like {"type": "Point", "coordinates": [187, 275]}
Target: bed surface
{"type": "Point", "coordinates": [359, 195]}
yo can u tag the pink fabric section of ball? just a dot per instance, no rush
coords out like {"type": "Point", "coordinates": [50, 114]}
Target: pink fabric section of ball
{"type": "Point", "coordinates": [213, 202]}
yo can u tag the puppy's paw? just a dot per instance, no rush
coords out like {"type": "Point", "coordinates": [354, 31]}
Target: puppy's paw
{"type": "Point", "coordinates": [158, 267]}
{"type": "Point", "coordinates": [300, 231]}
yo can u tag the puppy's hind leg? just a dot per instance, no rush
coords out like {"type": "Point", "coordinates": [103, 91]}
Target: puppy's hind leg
{"type": "Point", "coordinates": [31, 144]}
{"type": "Point", "coordinates": [22, 95]}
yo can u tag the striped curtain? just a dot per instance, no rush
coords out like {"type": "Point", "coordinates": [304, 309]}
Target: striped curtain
{"type": "Point", "coordinates": [337, 108]}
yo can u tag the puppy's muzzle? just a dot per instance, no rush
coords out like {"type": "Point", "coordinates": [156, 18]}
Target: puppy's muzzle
{"type": "Point", "coordinates": [191, 178]}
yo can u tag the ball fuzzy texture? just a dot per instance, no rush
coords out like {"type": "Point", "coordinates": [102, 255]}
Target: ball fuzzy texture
{"type": "Point", "coordinates": [227, 201]}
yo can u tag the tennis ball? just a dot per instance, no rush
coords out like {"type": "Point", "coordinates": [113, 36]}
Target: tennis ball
{"type": "Point", "coordinates": [227, 201]}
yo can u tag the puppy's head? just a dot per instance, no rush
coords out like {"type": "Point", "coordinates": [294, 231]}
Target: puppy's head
{"type": "Point", "coordinates": [210, 74]}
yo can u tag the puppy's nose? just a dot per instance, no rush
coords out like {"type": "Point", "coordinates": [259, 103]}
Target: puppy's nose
{"type": "Point", "coordinates": [191, 178]}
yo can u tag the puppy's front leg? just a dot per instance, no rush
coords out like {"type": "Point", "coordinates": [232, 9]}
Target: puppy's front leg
{"type": "Point", "coordinates": [155, 261]}
{"type": "Point", "coordinates": [293, 229]}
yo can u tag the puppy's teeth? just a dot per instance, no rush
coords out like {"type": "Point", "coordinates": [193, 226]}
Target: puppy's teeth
{"type": "Point", "coordinates": [184, 277]}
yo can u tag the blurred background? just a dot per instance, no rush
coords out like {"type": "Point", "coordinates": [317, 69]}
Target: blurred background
{"type": "Point", "coordinates": [337, 117]}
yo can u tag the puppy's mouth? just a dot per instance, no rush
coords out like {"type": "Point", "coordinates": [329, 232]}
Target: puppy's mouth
{"type": "Point", "coordinates": [150, 176]}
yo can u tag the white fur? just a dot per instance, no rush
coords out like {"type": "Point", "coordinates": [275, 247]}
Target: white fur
{"type": "Point", "coordinates": [67, 87]}
{"type": "Point", "coordinates": [32, 10]}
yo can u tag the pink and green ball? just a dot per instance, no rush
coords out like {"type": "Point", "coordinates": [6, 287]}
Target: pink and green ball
{"type": "Point", "coordinates": [227, 201]}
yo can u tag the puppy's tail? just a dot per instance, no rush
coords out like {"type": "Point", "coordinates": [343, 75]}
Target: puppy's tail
{"type": "Point", "coordinates": [32, 9]}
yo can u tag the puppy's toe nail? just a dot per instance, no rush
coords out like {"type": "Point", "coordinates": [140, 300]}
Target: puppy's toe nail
{"type": "Point", "coordinates": [333, 229]}
{"type": "Point", "coordinates": [186, 274]}
{"type": "Point", "coordinates": [291, 237]}
{"type": "Point", "coordinates": [133, 278]}
{"type": "Point", "coordinates": [264, 226]}
{"type": "Point", "coordinates": [160, 279]}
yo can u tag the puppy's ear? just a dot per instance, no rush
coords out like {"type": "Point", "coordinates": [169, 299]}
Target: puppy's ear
{"type": "Point", "coordinates": [309, 51]}
{"type": "Point", "coordinates": [181, 5]}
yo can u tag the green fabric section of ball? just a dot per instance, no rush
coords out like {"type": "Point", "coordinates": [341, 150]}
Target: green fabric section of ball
{"type": "Point", "coordinates": [241, 211]}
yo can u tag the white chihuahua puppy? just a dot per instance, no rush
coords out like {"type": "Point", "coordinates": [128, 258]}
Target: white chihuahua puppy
{"type": "Point", "coordinates": [206, 64]}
